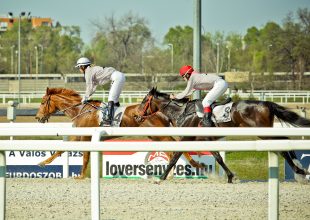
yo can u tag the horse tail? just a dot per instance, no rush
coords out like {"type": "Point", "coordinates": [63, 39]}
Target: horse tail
{"type": "Point", "coordinates": [288, 116]}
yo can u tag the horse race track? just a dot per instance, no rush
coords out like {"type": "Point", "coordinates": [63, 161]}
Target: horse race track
{"type": "Point", "coordinates": [143, 199]}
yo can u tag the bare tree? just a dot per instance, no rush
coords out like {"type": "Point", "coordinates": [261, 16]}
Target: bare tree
{"type": "Point", "coordinates": [125, 39]}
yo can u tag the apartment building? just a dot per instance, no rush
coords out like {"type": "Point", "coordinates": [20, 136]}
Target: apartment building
{"type": "Point", "coordinates": [7, 22]}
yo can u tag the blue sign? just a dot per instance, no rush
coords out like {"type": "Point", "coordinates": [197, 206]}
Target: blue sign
{"type": "Point", "coordinates": [35, 171]}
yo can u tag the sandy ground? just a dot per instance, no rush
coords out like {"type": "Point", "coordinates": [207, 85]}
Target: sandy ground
{"type": "Point", "coordinates": [143, 199]}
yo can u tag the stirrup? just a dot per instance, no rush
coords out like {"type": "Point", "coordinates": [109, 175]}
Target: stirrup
{"type": "Point", "coordinates": [106, 123]}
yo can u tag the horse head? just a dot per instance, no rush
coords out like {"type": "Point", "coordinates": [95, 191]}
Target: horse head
{"type": "Point", "coordinates": [54, 100]}
{"type": "Point", "coordinates": [154, 101]}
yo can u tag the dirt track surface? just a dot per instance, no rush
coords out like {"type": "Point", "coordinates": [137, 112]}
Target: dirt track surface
{"type": "Point", "coordinates": [144, 199]}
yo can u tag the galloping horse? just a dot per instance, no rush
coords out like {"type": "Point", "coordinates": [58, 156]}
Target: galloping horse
{"type": "Point", "coordinates": [86, 115]}
{"type": "Point", "coordinates": [182, 113]}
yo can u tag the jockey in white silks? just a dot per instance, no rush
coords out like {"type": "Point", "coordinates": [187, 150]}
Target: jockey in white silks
{"type": "Point", "coordinates": [202, 81]}
{"type": "Point", "coordinates": [97, 75]}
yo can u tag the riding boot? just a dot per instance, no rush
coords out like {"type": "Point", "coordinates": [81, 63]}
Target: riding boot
{"type": "Point", "coordinates": [206, 120]}
{"type": "Point", "coordinates": [109, 120]}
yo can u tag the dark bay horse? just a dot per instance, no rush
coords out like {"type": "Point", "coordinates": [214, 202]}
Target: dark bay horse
{"type": "Point", "coordinates": [182, 113]}
{"type": "Point", "coordinates": [86, 115]}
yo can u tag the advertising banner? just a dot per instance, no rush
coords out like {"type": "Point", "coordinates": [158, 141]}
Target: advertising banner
{"type": "Point", "coordinates": [24, 164]}
{"type": "Point", "coordinates": [149, 164]}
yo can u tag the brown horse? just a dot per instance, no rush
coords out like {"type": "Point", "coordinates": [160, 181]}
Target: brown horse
{"type": "Point", "coordinates": [182, 113]}
{"type": "Point", "coordinates": [85, 115]}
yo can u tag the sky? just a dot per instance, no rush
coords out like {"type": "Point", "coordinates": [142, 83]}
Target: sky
{"type": "Point", "coordinates": [217, 15]}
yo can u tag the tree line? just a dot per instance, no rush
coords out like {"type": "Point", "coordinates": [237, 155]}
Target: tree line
{"type": "Point", "coordinates": [127, 44]}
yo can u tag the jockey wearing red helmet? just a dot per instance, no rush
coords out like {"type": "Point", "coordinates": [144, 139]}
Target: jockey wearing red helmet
{"type": "Point", "coordinates": [186, 71]}
{"type": "Point", "coordinates": [202, 81]}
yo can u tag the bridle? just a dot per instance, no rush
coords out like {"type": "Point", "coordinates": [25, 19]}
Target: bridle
{"type": "Point", "coordinates": [47, 104]}
{"type": "Point", "coordinates": [147, 106]}
{"type": "Point", "coordinates": [143, 115]}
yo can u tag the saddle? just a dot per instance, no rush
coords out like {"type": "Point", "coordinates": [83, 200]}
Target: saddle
{"type": "Point", "coordinates": [220, 111]}
{"type": "Point", "coordinates": [199, 107]}
{"type": "Point", "coordinates": [117, 118]}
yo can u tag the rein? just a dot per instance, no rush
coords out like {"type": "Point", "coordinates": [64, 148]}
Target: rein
{"type": "Point", "coordinates": [64, 110]}
{"type": "Point", "coordinates": [143, 115]}
{"type": "Point", "coordinates": [88, 111]}
{"type": "Point", "coordinates": [147, 106]}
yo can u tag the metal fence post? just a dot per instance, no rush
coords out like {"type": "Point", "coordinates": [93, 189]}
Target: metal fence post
{"type": "Point", "coordinates": [95, 183]}
{"type": "Point", "coordinates": [2, 185]}
{"type": "Point", "coordinates": [273, 186]}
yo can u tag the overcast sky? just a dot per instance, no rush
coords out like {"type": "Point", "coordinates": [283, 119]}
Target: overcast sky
{"type": "Point", "coordinates": [217, 15]}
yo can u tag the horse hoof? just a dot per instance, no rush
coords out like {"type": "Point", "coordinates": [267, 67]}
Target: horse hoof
{"type": "Point", "coordinates": [233, 178]}
{"type": "Point", "coordinates": [158, 181]}
{"type": "Point", "coordinates": [41, 164]}
{"type": "Point", "coordinates": [300, 178]}
{"type": "Point", "coordinates": [163, 178]}
{"type": "Point", "coordinates": [79, 177]}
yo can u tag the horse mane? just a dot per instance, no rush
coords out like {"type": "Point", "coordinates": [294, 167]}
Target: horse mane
{"type": "Point", "coordinates": [157, 93]}
{"type": "Point", "coordinates": [61, 91]}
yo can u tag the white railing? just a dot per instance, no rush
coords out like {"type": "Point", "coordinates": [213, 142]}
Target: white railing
{"type": "Point", "coordinates": [301, 97]}
{"type": "Point", "coordinates": [132, 96]}
{"type": "Point", "coordinates": [95, 146]}
{"type": "Point", "coordinates": [30, 97]}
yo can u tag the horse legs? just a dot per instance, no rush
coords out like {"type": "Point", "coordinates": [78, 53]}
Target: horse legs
{"type": "Point", "coordinates": [57, 154]}
{"type": "Point", "coordinates": [170, 155]}
{"type": "Point", "coordinates": [290, 161]}
{"type": "Point", "coordinates": [171, 173]}
{"type": "Point", "coordinates": [291, 158]}
{"type": "Point", "coordinates": [50, 159]}
{"type": "Point", "coordinates": [171, 164]}
{"type": "Point", "coordinates": [86, 155]}
{"type": "Point", "coordinates": [175, 159]}
{"type": "Point", "coordinates": [292, 154]}
{"type": "Point", "coordinates": [192, 161]}
{"type": "Point", "coordinates": [85, 164]}
{"type": "Point", "coordinates": [219, 159]}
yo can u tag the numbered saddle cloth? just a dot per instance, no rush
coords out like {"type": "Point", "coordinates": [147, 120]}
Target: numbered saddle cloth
{"type": "Point", "coordinates": [221, 113]}
{"type": "Point", "coordinates": [118, 115]}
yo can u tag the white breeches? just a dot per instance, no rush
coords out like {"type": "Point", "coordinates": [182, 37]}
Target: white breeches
{"type": "Point", "coordinates": [117, 84]}
{"type": "Point", "coordinates": [219, 88]}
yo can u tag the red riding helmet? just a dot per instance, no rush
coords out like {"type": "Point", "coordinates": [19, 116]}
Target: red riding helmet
{"type": "Point", "coordinates": [186, 70]}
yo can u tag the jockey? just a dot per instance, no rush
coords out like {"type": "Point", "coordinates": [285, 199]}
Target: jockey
{"type": "Point", "coordinates": [96, 75]}
{"type": "Point", "coordinates": [202, 81]}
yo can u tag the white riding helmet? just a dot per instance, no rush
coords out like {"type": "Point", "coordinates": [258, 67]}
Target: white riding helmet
{"type": "Point", "coordinates": [83, 61]}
